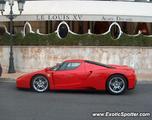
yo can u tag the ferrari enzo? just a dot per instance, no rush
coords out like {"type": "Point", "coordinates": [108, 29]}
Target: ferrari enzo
{"type": "Point", "coordinates": [80, 75]}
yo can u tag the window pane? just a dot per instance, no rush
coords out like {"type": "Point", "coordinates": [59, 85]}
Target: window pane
{"type": "Point", "coordinates": [71, 66]}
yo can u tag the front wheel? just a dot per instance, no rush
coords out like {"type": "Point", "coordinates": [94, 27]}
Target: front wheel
{"type": "Point", "coordinates": [116, 85]}
{"type": "Point", "coordinates": [40, 83]}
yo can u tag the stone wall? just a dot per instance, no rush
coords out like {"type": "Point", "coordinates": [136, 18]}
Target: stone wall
{"type": "Point", "coordinates": [30, 58]}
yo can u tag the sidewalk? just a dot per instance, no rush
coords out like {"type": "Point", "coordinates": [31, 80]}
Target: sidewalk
{"type": "Point", "coordinates": [11, 76]}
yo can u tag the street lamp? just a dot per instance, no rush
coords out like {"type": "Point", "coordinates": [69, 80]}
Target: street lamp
{"type": "Point", "coordinates": [11, 17]}
{"type": "Point", "coordinates": [21, 5]}
{"type": "Point", "coordinates": [2, 6]}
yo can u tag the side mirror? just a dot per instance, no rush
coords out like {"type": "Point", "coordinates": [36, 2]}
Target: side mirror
{"type": "Point", "coordinates": [57, 64]}
{"type": "Point", "coordinates": [47, 69]}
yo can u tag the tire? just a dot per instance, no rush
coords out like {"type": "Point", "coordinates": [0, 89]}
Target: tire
{"type": "Point", "coordinates": [40, 83]}
{"type": "Point", "coordinates": [116, 85]}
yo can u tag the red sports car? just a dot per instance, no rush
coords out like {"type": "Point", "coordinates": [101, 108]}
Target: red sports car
{"type": "Point", "coordinates": [80, 75]}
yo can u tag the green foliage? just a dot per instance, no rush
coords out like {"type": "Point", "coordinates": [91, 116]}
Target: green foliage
{"type": "Point", "coordinates": [76, 40]}
{"type": "Point", "coordinates": [5, 39]}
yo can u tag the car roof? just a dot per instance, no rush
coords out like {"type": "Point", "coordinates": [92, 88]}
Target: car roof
{"type": "Point", "coordinates": [74, 60]}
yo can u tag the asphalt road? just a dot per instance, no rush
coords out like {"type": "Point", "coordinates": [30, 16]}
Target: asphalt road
{"type": "Point", "coordinates": [71, 105]}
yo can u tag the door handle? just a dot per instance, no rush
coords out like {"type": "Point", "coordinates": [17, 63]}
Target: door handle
{"type": "Point", "coordinates": [90, 72]}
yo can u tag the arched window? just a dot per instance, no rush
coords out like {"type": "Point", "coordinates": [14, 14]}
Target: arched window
{"type": "Point", "coordinates": [115, 30]}
{"type": "Point", "coordinates": [62, 30]}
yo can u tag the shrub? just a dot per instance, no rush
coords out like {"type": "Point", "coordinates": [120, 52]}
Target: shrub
{"type": "Point", "coordinates": [76, 40]}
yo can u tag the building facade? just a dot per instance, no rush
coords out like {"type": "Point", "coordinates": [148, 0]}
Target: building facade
{"type": "Point", "coordinates": [45, 26]}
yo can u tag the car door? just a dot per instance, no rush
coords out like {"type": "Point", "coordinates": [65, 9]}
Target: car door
{"type": "Point", "coordinates": [68, 76]}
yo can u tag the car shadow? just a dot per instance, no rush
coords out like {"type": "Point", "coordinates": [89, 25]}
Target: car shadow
{"type": "Point", "coordinates": [86, 92]}
{"type": "Point", "coordinates": [78, 92]}
{"type": "Point", "coordinates": [64, 91]}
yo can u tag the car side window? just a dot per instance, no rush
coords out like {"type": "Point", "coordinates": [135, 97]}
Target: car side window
{"type": "Point", "coordinates": [72, 66]}
{"type": "Point", "coordinates": [69, 65]}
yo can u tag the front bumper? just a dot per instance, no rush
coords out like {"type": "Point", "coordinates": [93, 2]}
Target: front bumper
{"type": "Point", "coordinates": [132, 81]}
{"type": "Point", "coordinates": [23, 82]}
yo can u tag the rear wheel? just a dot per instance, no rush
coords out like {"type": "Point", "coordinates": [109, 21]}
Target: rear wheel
{"type": "Point", "coordinates": [40, 83]}
{"type": "Point", "coordinates": [116, 84]}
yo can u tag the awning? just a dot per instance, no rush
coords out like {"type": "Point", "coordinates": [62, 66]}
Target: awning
{"type": "Point", "coordinates": [83, 11]}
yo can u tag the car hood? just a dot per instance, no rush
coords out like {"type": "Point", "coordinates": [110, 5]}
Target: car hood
{"type": "Point", "coordinates": [42, 71]}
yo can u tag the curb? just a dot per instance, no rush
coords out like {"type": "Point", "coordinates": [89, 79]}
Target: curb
{"type": "Point", "coordinates": [144, 82]}
{"type": "Point", "coordinates": [7, 80]}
